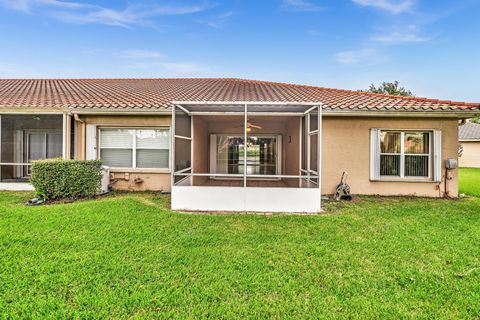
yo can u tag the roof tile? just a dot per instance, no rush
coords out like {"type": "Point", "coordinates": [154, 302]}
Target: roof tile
{"type": "Point", "coordinates": [148, 94]}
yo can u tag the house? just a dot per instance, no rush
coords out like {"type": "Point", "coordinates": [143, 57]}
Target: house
{"type": "Point", "coordinates": [233, 144]}
{"type": "Point", "coordinates": [469, 137]}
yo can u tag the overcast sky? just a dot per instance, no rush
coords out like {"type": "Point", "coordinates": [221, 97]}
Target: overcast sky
{"type": "Point", "coordinates": [431, 47]}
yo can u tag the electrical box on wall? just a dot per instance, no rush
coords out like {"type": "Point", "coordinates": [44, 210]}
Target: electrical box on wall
{"type": "Point", "coordinates": [451, 164]}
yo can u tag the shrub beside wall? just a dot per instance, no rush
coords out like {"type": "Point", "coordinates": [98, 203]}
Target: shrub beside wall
{"type": "Point", "coordinates": [60, 179]}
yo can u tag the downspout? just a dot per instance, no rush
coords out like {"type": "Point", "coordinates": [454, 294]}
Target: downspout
{"type": "Point", "coordinates": [64, 136]}
{"type": "Point", "coordinates": [77, 118]}
{"type": "Point", "coordinates": [83, 147]}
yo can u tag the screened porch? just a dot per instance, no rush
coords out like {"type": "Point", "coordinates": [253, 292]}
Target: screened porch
{"type": "Point", "coordinates": [246, 157]}
{"type": "Point", "coordinates": [25, 138]}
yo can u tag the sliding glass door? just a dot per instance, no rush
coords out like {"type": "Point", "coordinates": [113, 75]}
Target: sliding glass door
{"type": "Point", "coordinates": [262, 154]}
{"type": "Point", "coordinates": [42, 145]}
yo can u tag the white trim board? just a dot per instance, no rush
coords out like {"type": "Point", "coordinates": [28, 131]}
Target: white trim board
{"type": "Point", "coordinates": [279, 103]}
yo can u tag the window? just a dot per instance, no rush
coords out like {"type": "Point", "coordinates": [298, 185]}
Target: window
{"type": "Point", "coordinates": [405, 154]}
{"type": "Point", "coordinates": [135, 148]}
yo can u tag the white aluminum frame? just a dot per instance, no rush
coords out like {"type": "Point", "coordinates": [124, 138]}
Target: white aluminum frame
{"type": "Point", "coordinates": [187, 197]}
{"type": "Point", "coordinates": [402, 153]}
{"type": "Point", "coordinates": [245, 136]}
{"type": "Point", "coordinates": [311, 174]}
{"type": "Point", "coordinates": [182, 172]}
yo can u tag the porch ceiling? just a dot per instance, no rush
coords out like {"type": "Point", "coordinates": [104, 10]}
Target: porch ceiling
{"type": "Point", "coordinates": [239, 107]}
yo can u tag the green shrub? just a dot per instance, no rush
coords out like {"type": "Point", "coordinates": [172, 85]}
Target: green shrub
{"type": "Point", "coordinates": [60, 179]}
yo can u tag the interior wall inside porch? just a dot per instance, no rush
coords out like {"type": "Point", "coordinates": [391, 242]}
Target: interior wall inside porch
{"type": "Point", "coordinates": [288, 127]}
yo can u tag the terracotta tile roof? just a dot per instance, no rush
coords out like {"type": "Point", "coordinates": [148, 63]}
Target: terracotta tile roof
{"type": "Point", "coordinates": [469, 131]}
{"type": "Point", "coordinates": [157, 94]}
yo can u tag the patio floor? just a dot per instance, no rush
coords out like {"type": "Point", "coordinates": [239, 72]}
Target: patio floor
{"type": "Point", "coordinates": [251, 183]}
{"type": "Point", "coordinates": [16, 186]}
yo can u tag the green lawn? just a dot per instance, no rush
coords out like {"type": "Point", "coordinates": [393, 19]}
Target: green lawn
{"type": "Point", "coordinates": [470, 181]}
{"type": "Point", "coordinates": [128, 256]}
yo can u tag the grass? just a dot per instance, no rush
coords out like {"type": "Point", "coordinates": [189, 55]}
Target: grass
{"type": "Point", "coordinates": [470, 181]}
{"type": "Point", "coordinates": [129, 256]}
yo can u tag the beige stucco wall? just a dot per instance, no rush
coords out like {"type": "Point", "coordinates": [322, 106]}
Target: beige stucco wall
{"type": "Point", "coordinates": [471, 154]}
{"type": "Point", "coordinates": [201, 149]}
{"type": "Point", "coordinates": [291, 147]}
{"type": "Point", "coordinates": [346, 147]}
{"type": "Point", "coordinates": [127, 179]}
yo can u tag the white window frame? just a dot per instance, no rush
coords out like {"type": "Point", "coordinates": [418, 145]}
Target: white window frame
{"type": "Point", "coordinates": [134, 147]}
{"type": "Point", "coordinates": [402, 154]}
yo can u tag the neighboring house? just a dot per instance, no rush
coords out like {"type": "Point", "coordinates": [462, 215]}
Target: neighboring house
{"type": "Point", "coordinates": [232, 144]}
{"type": "Point", "coordinates": [469, 136]}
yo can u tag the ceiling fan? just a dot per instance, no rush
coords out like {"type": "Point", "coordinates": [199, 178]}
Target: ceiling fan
{"type": "Point", "coordinates": [251, 126]}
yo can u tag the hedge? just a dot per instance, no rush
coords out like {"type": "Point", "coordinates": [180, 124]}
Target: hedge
{"type": "Point", "coordinates": [61, 179]}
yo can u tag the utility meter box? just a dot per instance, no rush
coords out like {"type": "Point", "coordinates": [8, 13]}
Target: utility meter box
{"type": "Point", "coordinates": [451, 164]}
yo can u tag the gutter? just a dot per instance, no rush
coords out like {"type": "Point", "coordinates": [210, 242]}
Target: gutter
{"type": "Point", "coordinates": [469, 140]}
{"type": "Point", "coordinates": [414, 114]}
{"type": "Point", "coordinates": [410, 114]}
{"type": "Point", "coordinates": [464, 114]}
{"type": "Point", "coordinates": [118, 112]}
